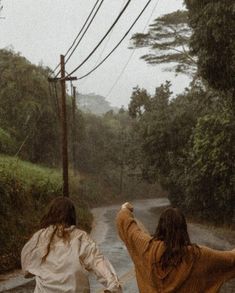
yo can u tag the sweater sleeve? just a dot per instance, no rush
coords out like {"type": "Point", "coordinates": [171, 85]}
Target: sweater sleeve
{"type": "Point", "coordinates": [220, 264]}
{"type": "Point", "coordinates": [134, 236]}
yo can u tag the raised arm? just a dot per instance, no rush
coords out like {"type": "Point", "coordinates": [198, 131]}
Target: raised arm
{"type": "Point", "coordinates": [131, 231]}
{"type": "Point", "coordinates": [94, 261]}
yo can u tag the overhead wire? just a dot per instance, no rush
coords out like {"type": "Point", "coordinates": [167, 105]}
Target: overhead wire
{"type": "Point", "coordinates": [82, 27]}
{"type": "Point", "coordinates": [79, 33]}
{"type": "Point", "coordinates": [105, 44]}
{"type": "Point", "coordinates": [117, 45]}
{"type": "Point", "coordinates": [131, 55]}
{"type": "Point", "coordinates": [93, 17]}
{"type": "Point", "coordinates": [102, 39]}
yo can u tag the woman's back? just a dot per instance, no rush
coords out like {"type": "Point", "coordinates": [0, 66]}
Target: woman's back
{"type": "Point", "coordinates": [202, 270]}
{"type": "Point", "coordinates": [62, 265]}
{"type": "Point", "coordinates": [194, 269]}
{"type": "Point", "coordinates": [60, 256]}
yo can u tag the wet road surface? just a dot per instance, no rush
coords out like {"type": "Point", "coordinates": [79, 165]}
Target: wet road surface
{"type": "Point", "coordinates": [104, 232]}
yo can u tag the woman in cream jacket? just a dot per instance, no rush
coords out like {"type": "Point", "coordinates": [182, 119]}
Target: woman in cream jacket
{"type": "Point", "coordinates": [60, 255]}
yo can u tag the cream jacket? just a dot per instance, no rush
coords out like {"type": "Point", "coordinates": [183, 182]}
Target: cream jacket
{"type": "Point", "coordinates": [68, 263]}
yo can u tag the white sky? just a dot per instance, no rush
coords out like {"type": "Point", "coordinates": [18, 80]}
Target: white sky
{"type": "Point", "coordinates": [42, 30]}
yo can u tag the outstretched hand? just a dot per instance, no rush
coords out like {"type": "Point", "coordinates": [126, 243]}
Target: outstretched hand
{"type": "Point", "coordinates": [128, 206]}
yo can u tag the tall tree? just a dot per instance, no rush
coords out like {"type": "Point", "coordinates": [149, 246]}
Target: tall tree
{"type": "Point", "coordinates": [213, 41]}
{"type": "Point", "coordinates": [168, 38]}
{"type": "Point", "coordinates": [27, 111]}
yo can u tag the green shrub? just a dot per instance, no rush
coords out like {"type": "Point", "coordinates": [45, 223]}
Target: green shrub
{"type": "Point", "coordinates": [7, 143]}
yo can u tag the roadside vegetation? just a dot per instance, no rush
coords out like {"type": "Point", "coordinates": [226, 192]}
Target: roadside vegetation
{"type": "Point", "coordinates": [187, 141]}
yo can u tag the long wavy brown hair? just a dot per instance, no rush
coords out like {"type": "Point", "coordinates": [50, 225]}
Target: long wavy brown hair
{"type": "Point", "coordinates": [60, 214]}
{"type": "Point", "coordinates": [172, 230]}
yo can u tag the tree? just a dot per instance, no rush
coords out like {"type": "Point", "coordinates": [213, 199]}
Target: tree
{"type": "Point", "coordinates": [152, 116]}
{"type": "Point", "coordinates": [210, 184]}
{"type": "Point", "coordinates": [168, 38]}
{"type": "Point", "coordinates": [185, 144]}
{"type": "Point", "coordinates": [213, 41]}
{"type": "Point", "coordinates": [27, 111]}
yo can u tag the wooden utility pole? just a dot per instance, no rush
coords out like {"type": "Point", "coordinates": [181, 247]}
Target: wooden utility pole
{"type": "Point", "coordinates": [122, 161]}
{"type": "Point", "coordinates": [74, 129]}
{"type": "Point", "coordinates": [64, 135]}
{"type": "Point", "coordinates": [64, 129]}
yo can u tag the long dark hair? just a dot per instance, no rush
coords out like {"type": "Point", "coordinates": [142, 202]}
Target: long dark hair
{"type": "Point", "coordinates": [61, 214]}
{"type": "Point", "coordinates": [172, 230]}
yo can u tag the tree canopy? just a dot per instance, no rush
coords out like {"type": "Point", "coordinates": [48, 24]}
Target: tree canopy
{"type": "Point", "coordinates": [168, 38]}
{"type": "Point", "coordinates": [213, 41]}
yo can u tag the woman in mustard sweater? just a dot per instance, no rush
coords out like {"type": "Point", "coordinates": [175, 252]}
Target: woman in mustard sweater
{"type": "Point", "coordinates": [168, 261]}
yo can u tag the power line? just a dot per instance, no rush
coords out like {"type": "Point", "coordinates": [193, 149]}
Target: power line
{"type": "Point", "coordinates": [118, 44]}
{"type": "Point", "coordinates": [82, 28]}
{"type": "Point", "coordinates": [79, 33]}
{"type": "Point", "coordinates": [131, 55]}
{"type": "Point", "coordinates": [103, 38]}
{"type": "Point", "coordinates": [70, 55]}
{"type": "Point", "coordinates": [88, 26]}
{"type": "Point", "coordinates": [120, 74]}
{"type": "Point", "coordinates": [106, 43]}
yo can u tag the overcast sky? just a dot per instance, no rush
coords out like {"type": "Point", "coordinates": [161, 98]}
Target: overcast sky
{"type": "Point", "coordinates": [42, 30]}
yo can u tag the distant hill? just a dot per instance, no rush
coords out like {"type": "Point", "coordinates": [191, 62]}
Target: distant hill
{"type": "Point", "coordinates": [95, 104]}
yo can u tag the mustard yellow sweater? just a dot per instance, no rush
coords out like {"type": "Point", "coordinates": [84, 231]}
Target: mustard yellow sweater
{"type": "Point", "coordinates": [204, 272]}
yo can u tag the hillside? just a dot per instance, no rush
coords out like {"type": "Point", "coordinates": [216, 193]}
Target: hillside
{"type": "Point", "coordinates": [95, 104]}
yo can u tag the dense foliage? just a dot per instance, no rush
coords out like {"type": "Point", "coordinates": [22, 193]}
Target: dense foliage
{"type": "Point", "coordinates": [29, 113]}
{"type": "Point", "coordinates": [186, 144]}
{"type": "Point", "coordinates": [26, 110]}
{"type": "Point", "coordinates": [213, 40]}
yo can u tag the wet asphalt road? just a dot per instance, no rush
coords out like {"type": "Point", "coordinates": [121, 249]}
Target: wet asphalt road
{"type": "Point", "coordinates": [104, 232]}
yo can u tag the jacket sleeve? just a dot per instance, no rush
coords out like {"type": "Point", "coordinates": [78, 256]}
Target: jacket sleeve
{"type": "Point", "coordinates": [132, 233]}
{"type": "Point", "coordinates": [220, 264]}
{"type": "Point", "coordinates": [27, 255]}
{"type": "Point", "coordinates": [93, 260]}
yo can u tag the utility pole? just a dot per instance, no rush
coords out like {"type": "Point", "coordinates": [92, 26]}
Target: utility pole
{"type": "Point", "coordinates": [122, 162]}
{"type": "Point", "coordinates": [74, 129]}
{"type": "Point", "coordinates": [64, 129]}
{"type": "Point", "coordinates": [64, 135]}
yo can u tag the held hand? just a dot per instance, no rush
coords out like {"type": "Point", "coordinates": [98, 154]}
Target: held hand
{"type": "Point", "coordinates": [128, 206]}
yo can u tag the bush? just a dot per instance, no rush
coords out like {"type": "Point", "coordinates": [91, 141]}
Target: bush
{"type": "Point", "coordinates": [7, 143]}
